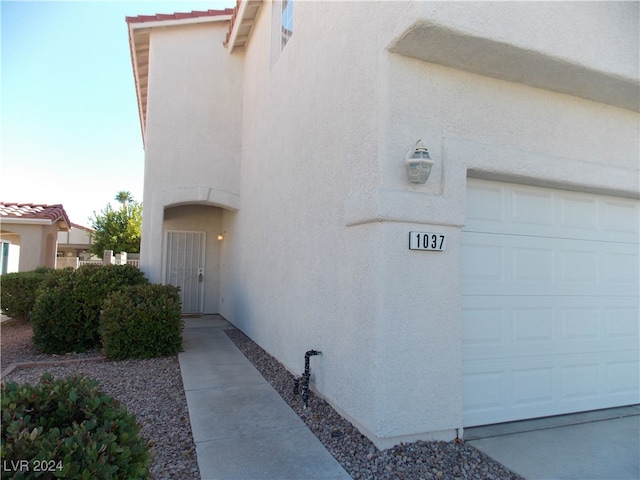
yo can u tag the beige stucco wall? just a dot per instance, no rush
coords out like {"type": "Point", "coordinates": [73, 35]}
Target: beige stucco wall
{"type": "Point", "coordinates": [76, 236]}
{"type": "Point", "coordinates": [192, 144]}
{"type": "Point", "coordinates": [37, 244]}
{"type": "Point", "coordinates": [74, 242]}
{"type": "Point", "coordinates": [318, 204]}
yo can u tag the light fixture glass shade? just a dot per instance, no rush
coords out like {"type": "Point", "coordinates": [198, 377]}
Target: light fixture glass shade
{"type": "Point", "coordinates": [418, 172]}
{"type": "Point", "coordinates": [418, 163]}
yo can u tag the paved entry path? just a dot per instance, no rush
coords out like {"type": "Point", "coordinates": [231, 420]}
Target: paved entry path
{"type": "Point", "coordinates": [241, 427]}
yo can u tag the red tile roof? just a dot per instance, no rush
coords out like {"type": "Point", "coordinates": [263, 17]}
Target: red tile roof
{"type": "Point", "coordinates": [52, 213]}
{"type": "Point", "coordinates": [81, 227]}
{"type": "Point", "coordinates": [178, 15]}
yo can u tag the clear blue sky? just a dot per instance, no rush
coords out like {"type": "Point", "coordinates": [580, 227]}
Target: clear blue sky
{"type": "Point", "coordinates": [69, 117]}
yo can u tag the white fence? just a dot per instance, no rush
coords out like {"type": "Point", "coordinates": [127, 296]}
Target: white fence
{"type": "Point", "coordinates": [107, 259]}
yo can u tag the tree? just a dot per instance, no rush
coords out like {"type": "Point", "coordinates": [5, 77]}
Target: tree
{"type": "Point", "coordinates": [118, 230]}
{"type": "Point", "coordinates": [124, 197]}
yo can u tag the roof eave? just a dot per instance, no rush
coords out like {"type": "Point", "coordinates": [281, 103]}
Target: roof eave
{"type": "Point", "coordinates": [63, 223]}
{"type": "Point", "coordinates": [244, 19]}
{"type": "Point", "coordinates": [136, 78]}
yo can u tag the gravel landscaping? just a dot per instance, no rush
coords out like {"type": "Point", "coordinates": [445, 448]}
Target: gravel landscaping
{"type": "Point", "coordinates": [356, 453]}
{"type": "Point", "coordinates": [153, 391]}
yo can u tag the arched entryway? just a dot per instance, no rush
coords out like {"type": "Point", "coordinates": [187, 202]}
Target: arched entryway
{"type": "Point", "coordinates": [191, 255]}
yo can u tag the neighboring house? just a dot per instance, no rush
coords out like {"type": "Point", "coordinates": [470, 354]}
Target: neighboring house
{"type": "Point", "coordinates": [277, 193]}
{"type": "Point", "coordinates": [76, 242]}
{"type": "Point", "coordinates": [29, 234]}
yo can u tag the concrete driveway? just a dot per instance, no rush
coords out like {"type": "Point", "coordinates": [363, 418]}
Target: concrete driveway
{"type": "Point", "coordinates": [603, 444]}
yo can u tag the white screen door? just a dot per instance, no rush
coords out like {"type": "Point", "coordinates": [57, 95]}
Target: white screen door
{"type": "Point", "coordinates": [184, 267]}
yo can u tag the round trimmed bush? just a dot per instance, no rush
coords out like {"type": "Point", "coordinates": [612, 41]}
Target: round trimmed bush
{"type": "Point", "coordinates": [67, 428]}
{"type": "Point", "coordinates": [142, 321]}
{"type": "Point", "coordinates": [66, 314]}
{"type": "Point", "coordinates": [18, 292]}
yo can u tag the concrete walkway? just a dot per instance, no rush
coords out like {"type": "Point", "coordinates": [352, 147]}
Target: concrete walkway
{"type": "Point", "coordinates": [603, 445]}
{"type": "Point", "coordinates": [241, 426]}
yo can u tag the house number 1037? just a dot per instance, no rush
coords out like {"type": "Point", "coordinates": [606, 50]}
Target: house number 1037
{"type": "Point", "coordinates": [427, 241]}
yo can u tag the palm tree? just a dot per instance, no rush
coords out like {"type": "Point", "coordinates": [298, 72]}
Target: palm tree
{"type": "Point", "coordinates": [124, 197]}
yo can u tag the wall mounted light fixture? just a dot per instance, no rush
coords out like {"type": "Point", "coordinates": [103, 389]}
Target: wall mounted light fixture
{"type": "Point", "coordinates": [418, 163]}
{"type": "Point", "coordinates": [220, 237]}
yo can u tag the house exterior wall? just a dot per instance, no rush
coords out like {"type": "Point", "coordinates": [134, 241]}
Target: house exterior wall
{"type": "Point", "coordinates": [75, 242]}
{"type": "Point", "coordinates": [192, 149]}
{"type": "Point", "coordinates": [298, 278]}
{"type": "Point", "coordinates": [37, 244]}
{"type": "Point", "coordinates": [76, 236]}
{"type": "Point", "coordinates": [315, 251]}
{"type": "Point", "coordinates": [333, 271]}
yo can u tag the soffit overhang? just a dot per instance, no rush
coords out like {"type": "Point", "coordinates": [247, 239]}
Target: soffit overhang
{"type": "Point", "coordinates": [242, 23]}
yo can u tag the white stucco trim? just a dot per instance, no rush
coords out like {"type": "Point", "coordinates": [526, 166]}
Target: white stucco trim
{"type": "Point", "coordinates": [471, 52]}
{"type": "Point", "coordinates": [391, 205]}
{"type": "Point", "coordinates": [151, 256]}
{"type": "Point", "coordinates": [494, 162]}
{"type": "Point", "coordinates": [202, 195]}
{"type": "Point", "coordinates": [37, 221]}
{"type": "Point", "coordinates": [32, 221]}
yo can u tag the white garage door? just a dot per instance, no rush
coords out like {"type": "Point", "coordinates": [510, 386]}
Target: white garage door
{"type": "Point", "coordinates": [550, 302]}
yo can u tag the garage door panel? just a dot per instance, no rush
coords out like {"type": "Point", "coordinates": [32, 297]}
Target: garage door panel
{"type": "Point", "coordinates": [507, 326]}
{"type": "Point", "coordinates": [530, 207]}
{"type": "Point", "coordinates": [483, 263]}
{"type": "Point", "coordinates": [622, 322]}
{"type": "Point", "coordinates": [531, 265]}
{"type": "Point", "coordinates": [550, 307]}
{"type": "Point", "coordinates": [547, 385]}
{"type": "Point", "coordinates": [621, 267]}
{"type": "Point", "coordinates": [623, 377]}
{"type": "Point", "coordinates": [519, 265]}
{"type": "Point", "coordinates": [577, 212]}
{"type": "Point", "coordinates": [487, 207]}
{"type": "Point", "coordinates": [512, 209]}
{"type": "Point", "coordinates": [620, 217]}
{"type": "Point", "coordinates": [579, 265]}
{"type": "Point", "coordinates": [483, 395]}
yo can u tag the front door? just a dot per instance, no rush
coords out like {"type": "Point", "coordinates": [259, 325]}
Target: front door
{"type": "Point", "coordinates": [184, 267]}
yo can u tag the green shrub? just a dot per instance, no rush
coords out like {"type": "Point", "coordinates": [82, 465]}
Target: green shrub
{"type": "Point", "coordinates": [67, 428]}
{"type": "Point", "coordinates": [142, 322]}
{"type": "Point", "coordinates": [59, 325]}
{"type": "Point", "coordinates": [18, 292]}
{"type": "Point", "coordinates": [95, 282]}
{"type": "Point", "coordinates": [66, 314]}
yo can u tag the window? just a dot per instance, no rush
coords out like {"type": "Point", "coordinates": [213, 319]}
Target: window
{"type": "Point", "coordinates": [281, 27]}
{"type": "Point", "coordinates": [4, 258]}
{"type": "Point", "coordinates": [286, 22]}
